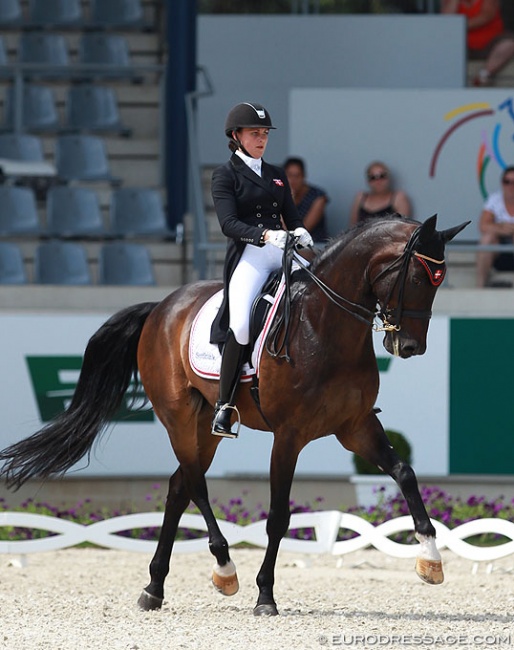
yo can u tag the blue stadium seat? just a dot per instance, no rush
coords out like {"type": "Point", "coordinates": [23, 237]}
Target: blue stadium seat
{"type": "Point", "coordinates": [121, 263]}
{"type": "Point", "coordinates": [21, 146]}
{"type": "Point", "coordinates": [18, 212]}
{"type": "Point", "coordinates": [47, 51]}
{"type": "Point", "coordinates": [12, 268]}
{"type": "Point", "coordinates": [5, 72]}
{"type": "Point", "coordinates": [58, 262]}
{"type": "Point", "coordinates": [38, 109]}
{"type": "Point", "coordinates": [73, 212]}
{"type": "Point", "coordinates": [82, 158]}
{"type": "Point", "coordinates": [116, 14]}
{"type": "Point", "coordinates": [55, 14]}
{"type": "Point", "coordinates": [11, 14]}
{"type": "Point", "coordinates": [105, 56]}
{"type": "Point", "coordinates": [137, 211]}
{"type": "Point", "coordinates": [93, 108]}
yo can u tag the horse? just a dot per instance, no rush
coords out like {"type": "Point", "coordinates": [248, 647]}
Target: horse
{"type": "Point", "coordinates": [381, 274]}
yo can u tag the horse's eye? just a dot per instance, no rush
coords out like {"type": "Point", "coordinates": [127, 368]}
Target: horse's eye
{"type": "Point", "coordinates": [416, 280]}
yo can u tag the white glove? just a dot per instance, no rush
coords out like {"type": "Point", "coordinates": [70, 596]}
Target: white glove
{"type": "Point", "coordinates": [303, 237]}
{"type": "Point", "coordinates": [277, 238]}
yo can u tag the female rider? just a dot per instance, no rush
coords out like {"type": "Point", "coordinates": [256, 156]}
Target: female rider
{"type": "Point", "coordinates": [251, 199]}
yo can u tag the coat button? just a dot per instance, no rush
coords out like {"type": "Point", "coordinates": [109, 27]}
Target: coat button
{"type": "Point", "coordinates": [260, 225]}
{"type": "Point", "coordinates": [257, 207]}
{"type": "Point", "coordinates": [275, 204]}
{"type": "Point", "coordinates": [258, 214]}
{"type": "Point", "coordinates": [274, 216]}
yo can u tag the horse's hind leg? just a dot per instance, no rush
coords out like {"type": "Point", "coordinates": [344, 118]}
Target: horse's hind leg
{"type": "Point", "coordinates": [372, 444]}
{"type": "Point", "coordinates": [176, 502]}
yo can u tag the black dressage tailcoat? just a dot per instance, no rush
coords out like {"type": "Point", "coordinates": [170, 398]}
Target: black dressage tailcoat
{"type": "Point", "coordinates": [247, 204]}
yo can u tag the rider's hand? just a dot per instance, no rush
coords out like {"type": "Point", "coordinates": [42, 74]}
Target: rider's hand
{"type": "Point", "coordinates": [303, 237]}
{"type": "Point", "coordinates": [276, 238]}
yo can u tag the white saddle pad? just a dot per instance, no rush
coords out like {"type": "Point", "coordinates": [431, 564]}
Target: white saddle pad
{"type": "Point", "coordinates": [205, 357]}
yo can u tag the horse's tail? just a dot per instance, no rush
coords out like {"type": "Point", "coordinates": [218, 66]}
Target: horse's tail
{"type": "Point", "coordinates": [110, 363]}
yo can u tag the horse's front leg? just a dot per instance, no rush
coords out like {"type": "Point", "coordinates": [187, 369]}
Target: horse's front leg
{"type": "Point", "coordinates": [372, 444]}
{"type": "Point", "coordinates": [283, 463]}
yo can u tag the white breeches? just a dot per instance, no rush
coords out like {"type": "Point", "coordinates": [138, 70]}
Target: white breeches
{"type": "Point", "coordinates": [252, 271]}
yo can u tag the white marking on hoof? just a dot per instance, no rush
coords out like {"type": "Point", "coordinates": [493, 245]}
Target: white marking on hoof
{"type": "Point", "coordinates": [224, 578]}
{"type": "Point", "coordinates": [429, 566]}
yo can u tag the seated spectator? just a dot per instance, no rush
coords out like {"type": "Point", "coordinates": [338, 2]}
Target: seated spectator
{"type": "Point", "coordinates": [487, 37]}
{"type": "Point", "coordinates": [381, 199]}
{"type": "Point", "coordinates": [310, 200]}
{"type": "Point", "coordinates": [496, 224]}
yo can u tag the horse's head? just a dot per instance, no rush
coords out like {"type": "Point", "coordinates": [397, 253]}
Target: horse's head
{"type": "Point", "coordinates": [405, 276]}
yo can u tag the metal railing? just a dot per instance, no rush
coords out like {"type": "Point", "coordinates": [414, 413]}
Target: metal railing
{"type": "Point", "coordinates": [202, 247]}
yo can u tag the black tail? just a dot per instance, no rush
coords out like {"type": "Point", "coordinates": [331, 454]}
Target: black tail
{"type": "Point", "coordinates": [110, 363]}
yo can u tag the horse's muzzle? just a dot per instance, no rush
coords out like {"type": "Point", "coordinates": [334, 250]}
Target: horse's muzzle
{"type": "Point", "coordinates": [402, 345]}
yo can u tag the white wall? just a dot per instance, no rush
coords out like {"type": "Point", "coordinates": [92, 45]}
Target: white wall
{"type": "Point", "coordinates": [262, 58]}
{"type": "Point", "coordinates": [433, 140]}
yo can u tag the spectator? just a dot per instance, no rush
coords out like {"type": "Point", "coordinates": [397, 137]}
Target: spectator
{"type": "Point", "coordinates": [310, 200]}
{"type": "Point", "coordinates": [487, 38]}
{"type": "Point", "coordinates": [381, 200]}
{"type": "Point", "coordinates": [496, 224]}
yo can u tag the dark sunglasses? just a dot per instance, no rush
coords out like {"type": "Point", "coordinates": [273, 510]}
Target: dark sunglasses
{"type": "Point", "coordinates": [377, 177]}
{"type": "Point", "coordinates": [508, 181]}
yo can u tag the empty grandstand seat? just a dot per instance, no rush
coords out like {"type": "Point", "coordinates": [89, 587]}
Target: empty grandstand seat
{"type": "Point", "coordinates": [4, 62]}
{"type": "Point", "coordinates": [73, 212]}
{"type": "Point", "coordinates": [105, 56]}
{"type": "Point", "coordinates": [11, 14]}
{"type": "Point", "coordinates": [12, 268]}
{"type": "Point", "coordinates": [122, 263]}
{"type": "Point", "coordinates": [82, 158]}
{"type": "Point", "coordinates": [116, 14]}
{"type": "Point", "coordinates": [21, 146]}
{"type": "Point", "coordinates": [58, 262]}
{"type": "Point", "coordinates": [55, 14]}
{"type": "Point", "coordinates": [47, 52]}
{"type": "Point", "coordinates": [38, 109]}
{"type": "Point", "coordinates": [93, 108]}
{"type": "Point", "coordinates": [137, 211]}
{"type": "Point", "coordinates": [18, 211]}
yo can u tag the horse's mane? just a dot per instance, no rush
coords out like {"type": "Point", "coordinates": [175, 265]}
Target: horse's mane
{"type": "Point", "coordinates": [336, 244]}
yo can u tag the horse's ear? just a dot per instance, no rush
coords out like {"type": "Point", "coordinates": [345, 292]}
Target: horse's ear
{"type": "Point", "coordinates": [427, 230]}
{"type": "Point", "coordinates": [448, 235]}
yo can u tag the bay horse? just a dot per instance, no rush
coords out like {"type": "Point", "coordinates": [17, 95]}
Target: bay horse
{"type": "Point", "coordinates": [384, 270]}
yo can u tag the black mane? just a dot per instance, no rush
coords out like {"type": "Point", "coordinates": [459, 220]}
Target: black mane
{"type": "Point", "coordinates": [340, 241]}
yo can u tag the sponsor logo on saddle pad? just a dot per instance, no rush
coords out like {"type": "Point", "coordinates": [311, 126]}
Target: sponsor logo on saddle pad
{"type": "Point", "coordinates": [205, 358]}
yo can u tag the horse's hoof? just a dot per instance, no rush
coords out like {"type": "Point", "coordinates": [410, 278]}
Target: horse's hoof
{"type": "Point", "coordinates": [430, 571]}
{"type": "Point", "coordinates": [148, 602]}
{"type": "Point", "coordinates": [265, 610]}
{"type": "Point", "coordinates": [226, 585]}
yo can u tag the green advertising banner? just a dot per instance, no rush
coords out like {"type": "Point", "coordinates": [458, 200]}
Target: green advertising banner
{"type": "Point", "coordinates": [482, 396]}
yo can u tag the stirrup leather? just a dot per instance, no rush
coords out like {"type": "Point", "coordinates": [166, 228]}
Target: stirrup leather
{"type": "Point", "coordinates": [222, 433]}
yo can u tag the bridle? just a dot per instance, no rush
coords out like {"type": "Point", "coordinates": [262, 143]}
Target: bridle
{"type": "Point", "coordinates": [361, 313]}
{"type": "Point", "coordinates": [386, 314]}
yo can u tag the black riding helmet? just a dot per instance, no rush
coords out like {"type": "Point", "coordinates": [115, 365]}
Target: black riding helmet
{"type": "Point", "coordinates": [246, 115]}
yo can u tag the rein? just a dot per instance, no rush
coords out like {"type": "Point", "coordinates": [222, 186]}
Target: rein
{"type": "Point", "coordinates": [274, 347]}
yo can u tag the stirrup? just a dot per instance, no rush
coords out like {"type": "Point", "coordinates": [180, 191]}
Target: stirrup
{"type": "Point", "coordinates": [222, 433]}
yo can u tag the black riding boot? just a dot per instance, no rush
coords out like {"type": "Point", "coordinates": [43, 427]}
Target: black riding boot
{"type": "Point", "coordinates": [232, 360]}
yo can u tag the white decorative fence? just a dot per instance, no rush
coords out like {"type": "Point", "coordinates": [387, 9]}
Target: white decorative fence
{"type": "Point", "coordinates": [326, 525]}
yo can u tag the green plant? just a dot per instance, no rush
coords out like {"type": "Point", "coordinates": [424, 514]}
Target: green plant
{"type": "Point", "coordinates": [399, 443]}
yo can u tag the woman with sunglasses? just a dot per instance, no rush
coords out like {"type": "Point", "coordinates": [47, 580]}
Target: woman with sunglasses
{"type": "Point", "coordinates": [381, 199]}
{"type": "Point", "coordinates": [496, 225]}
